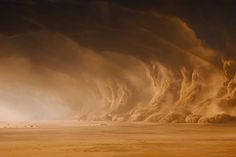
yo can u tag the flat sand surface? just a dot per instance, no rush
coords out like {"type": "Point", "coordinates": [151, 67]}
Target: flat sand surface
{"type": "Point", "coordinates": [100, 139]}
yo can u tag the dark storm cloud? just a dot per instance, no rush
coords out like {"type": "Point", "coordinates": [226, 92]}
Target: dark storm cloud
{"type": "Point", "coordinates": [212, 20]}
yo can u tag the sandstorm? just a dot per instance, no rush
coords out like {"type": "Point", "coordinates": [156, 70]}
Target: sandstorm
{"type": "Point", "coordinates": [117, 78]}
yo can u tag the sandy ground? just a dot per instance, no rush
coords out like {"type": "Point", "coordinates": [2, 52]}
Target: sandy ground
{"type": "Point", "coordinates": [100, 139]}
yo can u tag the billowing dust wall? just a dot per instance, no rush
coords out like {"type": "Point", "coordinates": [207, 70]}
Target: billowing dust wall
{"type": "Point", "coordinates": [131, 66]}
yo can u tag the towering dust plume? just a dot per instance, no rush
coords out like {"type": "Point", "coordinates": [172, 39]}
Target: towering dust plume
{"type": "Point", "coordinates": [142, 66]}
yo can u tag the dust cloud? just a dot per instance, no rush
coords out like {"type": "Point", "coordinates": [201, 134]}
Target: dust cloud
{"type": "Point", "coordinates": [156, 70]}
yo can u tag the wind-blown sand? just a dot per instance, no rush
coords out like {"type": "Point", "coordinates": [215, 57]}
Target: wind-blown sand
{"type": "Point", "coordinates": [101, 139]}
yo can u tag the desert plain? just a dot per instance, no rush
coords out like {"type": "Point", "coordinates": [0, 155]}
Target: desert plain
{"type": "Point", "coordinates": [104, 139]}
